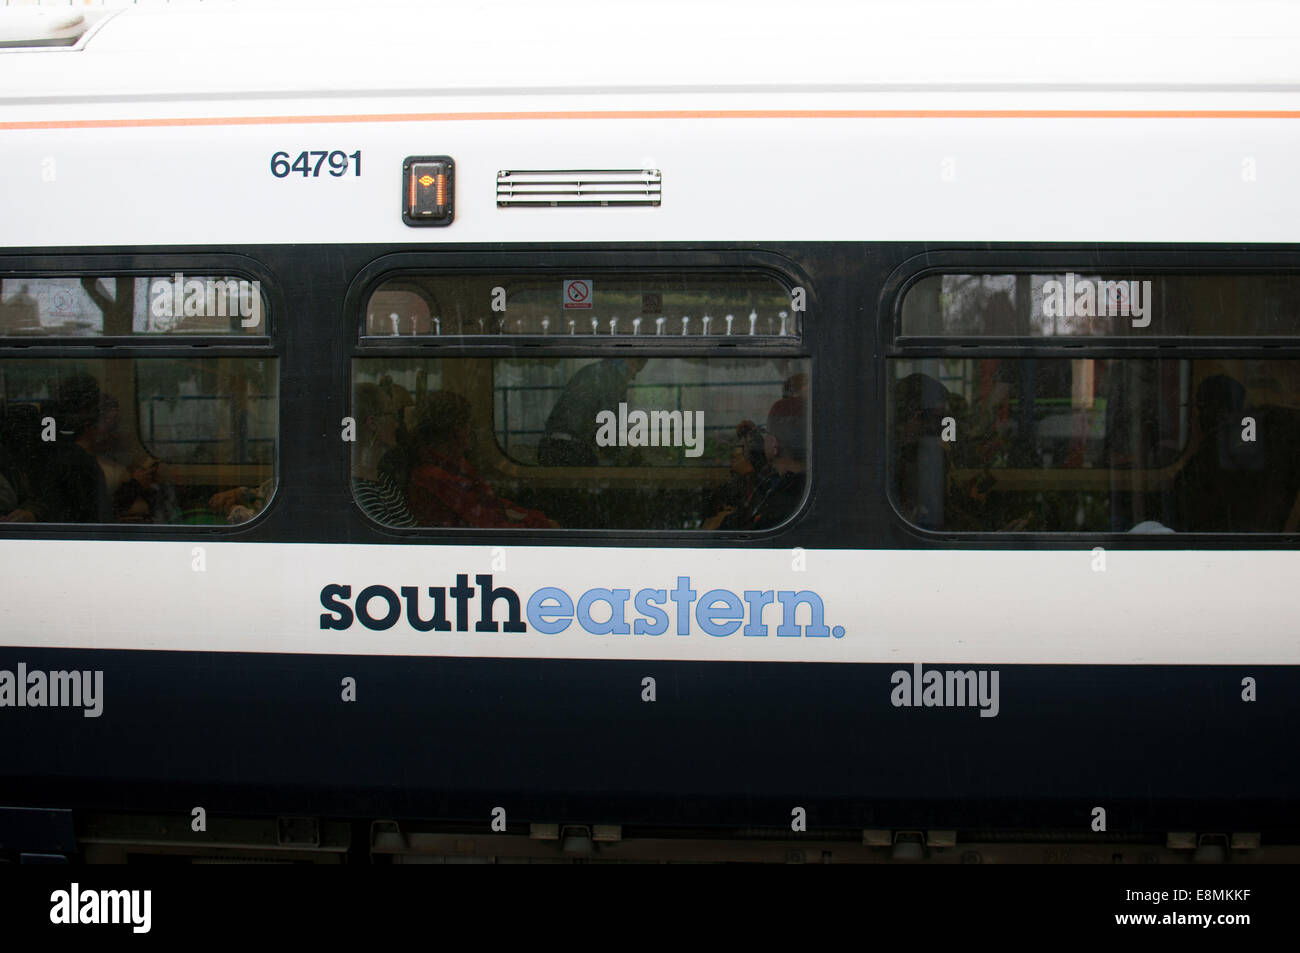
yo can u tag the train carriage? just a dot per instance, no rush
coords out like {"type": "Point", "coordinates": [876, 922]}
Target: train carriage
{"type": "Point", "coordinates": [679, 434]}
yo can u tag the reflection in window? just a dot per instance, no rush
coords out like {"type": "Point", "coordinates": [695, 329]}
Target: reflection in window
{"type": "Point", "coordinates": [136, 440]}
{"type": "Point", "coordinates": [634, 306]}
{"type": "Point", "coordinates": [97, 306]}
{"type": "Point", "coordinates": [587, 443]}
{"type": "Point", "coordinates": [1096, 445]}
{"type": "Point", "coordinates": [1090, 304]}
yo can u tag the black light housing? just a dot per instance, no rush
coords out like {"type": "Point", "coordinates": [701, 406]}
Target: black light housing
{"type": "Point", "coordinates": [428, 190]}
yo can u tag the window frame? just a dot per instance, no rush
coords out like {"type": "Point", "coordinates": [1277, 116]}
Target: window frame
{"type": "Point", "coordinates": [1117, 261]}
{"type": "Point", "coordinates": [1057, 259]}
{"type": "Point", "coordinates": [269, 344]}
{"type": "Point", "coordinates": [592, 262]}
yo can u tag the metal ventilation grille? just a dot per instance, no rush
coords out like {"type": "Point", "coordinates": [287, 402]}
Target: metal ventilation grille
{"type": "Point", "coordinates": [575, 187]}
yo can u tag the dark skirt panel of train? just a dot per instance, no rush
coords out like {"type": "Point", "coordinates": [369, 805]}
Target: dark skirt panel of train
{"type": "Point", "coordinates": [721, 745]}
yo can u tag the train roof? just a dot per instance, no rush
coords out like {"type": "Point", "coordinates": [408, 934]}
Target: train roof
{"type": "Point", "coordinates": [245, 50]}
{"type": "Point", "coordinates": [1137, 121]}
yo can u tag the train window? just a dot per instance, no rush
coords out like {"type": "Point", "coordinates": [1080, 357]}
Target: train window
{"type": "Point", "coordinates": [644, 305]}
{"type": "Point", "coordinates": [1082, 304]}
{"type": "Point", "coordinates": [96, 306]}
{"type": "Point", "coordinates": [1137, 445]}
{"type": "Point", "coordinates": [136, 440]}
{"type": "Point", "coordinates": [594, 442]}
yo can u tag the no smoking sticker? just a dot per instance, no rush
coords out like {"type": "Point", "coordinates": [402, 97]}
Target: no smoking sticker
{"type": "Point", "coordinates": [578, 293]}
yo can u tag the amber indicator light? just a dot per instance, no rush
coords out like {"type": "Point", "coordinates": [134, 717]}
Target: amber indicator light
{"type": "Point", "coordinates": [428, 190]}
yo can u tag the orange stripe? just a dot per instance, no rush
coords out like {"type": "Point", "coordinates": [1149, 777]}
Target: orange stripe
{"type": "Point", "coordinates": [667, 114]}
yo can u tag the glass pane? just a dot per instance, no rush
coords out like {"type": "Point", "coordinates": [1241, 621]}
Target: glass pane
{"type": "Point", "coordinates": [642, 305]}
{"type": "Point", "coordinates": [1072, 304]}
{"type": "Point", "coordinates": [97, 306]}
{"type": "Point", "coordinates": [137, 440]}
{"type": "Point", "coordinates": [583, 443]}
{"type": "Point", "coordinates": [1096, 445]}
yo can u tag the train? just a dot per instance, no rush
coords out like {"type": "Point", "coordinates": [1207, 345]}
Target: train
{"type": "Point", "coordinates": [575, 432]}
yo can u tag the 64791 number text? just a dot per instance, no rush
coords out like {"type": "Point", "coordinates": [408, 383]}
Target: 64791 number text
{"type": "Point", "coordinates": [309, 164]}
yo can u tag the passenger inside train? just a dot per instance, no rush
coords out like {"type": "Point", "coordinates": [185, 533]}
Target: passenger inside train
{"type": "Point", "coordinates": [578, 424]}
{"type": "Point", "coordinates": [657, 452]}
{"type": "Point", "coordinates": [1122, 445]}
{"type": "Point", "coordinates": [143, 439]}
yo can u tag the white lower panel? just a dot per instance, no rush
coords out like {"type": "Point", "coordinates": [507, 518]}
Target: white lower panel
{"type": "Point", "coordinates": [890, 607]}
